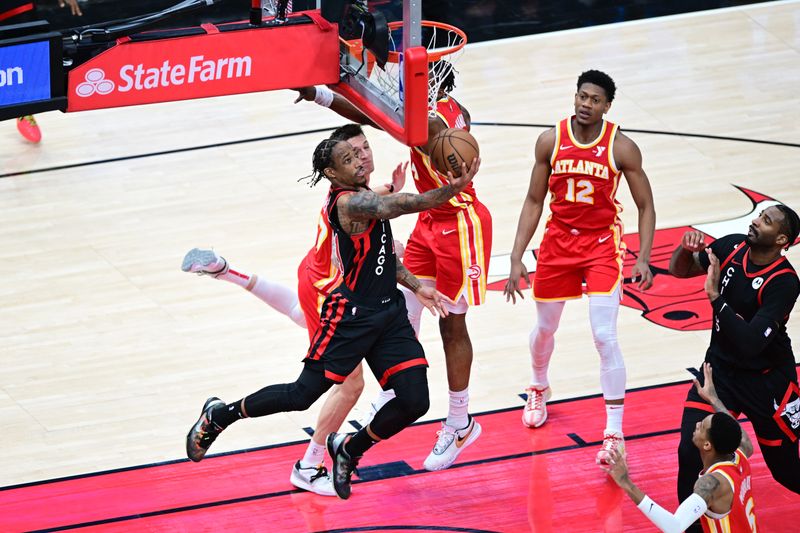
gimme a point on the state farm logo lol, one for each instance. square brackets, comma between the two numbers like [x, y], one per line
[142, 78]
[96, 82]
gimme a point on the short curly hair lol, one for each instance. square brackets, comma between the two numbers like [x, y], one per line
[601, 79]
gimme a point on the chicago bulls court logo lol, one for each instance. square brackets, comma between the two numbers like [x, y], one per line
[674, 303]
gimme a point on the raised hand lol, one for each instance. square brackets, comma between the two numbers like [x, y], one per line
[693, 241]
[306, 93]
[712, 279]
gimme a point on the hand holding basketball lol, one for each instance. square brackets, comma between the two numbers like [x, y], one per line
[449, 148]
[464, 178]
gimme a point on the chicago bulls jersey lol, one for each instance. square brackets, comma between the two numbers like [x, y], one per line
[427, 178]
[766, 292]
[741, 518]
[366, 260]
[584, 179]
[322, 271]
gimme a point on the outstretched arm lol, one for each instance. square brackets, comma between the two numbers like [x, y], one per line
[366, 205]
[338, 104]
[708, 392]
[531, 213]
[707, 489]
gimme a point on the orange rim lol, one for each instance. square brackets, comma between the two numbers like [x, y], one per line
[433, 55]
[356, 46]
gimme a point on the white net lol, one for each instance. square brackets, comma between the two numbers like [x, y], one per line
[270, 7]
[444, 45]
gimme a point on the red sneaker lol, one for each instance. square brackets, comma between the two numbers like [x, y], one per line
[29, 129]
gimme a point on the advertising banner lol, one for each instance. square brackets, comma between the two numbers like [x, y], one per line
[216, 63]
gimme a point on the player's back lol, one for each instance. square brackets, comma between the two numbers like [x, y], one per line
[584, 179]
[741, 518]
[427, 178]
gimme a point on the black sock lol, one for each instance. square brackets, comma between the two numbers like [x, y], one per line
[225, 415]
[358, 444]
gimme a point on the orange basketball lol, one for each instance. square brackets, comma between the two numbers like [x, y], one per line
[450, 147]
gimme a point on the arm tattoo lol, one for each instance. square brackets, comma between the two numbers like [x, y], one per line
[368, 205]
[407, 279]
[706, 487]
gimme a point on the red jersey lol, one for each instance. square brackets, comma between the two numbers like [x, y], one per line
[322, 271]
[426, 178]
[741, 518]
[584, 179]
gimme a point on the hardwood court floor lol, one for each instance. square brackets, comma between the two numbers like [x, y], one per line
[108, 349]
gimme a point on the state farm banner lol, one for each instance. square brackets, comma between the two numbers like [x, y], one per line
[201, 66]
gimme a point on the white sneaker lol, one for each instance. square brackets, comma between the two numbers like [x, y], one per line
[204, 263]
[612, 440]
[535, 412]
[450, 443]
[313, 479]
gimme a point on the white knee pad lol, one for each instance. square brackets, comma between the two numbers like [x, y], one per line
[541, 341]
[603, 312]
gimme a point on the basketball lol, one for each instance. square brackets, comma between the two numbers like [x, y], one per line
[449, 148]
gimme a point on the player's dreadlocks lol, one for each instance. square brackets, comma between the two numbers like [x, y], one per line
[449, 76]
[322, 159]
[790, 226]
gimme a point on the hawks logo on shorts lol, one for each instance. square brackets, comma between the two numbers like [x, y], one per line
[674, 303]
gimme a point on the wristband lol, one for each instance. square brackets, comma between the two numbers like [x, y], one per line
[324, 96]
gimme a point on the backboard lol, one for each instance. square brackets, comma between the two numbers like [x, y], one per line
[393, 94]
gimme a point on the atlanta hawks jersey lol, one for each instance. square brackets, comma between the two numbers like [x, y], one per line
[427, 178]
[584, 179]
[323, 273]
[762, 295]
[367, 260]
[741, 518]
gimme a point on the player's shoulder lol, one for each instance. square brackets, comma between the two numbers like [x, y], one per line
[547, 136]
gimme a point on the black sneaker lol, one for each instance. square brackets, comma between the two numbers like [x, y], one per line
[343, 464]
[203, 432]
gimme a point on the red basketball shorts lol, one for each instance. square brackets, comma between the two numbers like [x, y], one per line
[311, 295]
[569, 257]
[454, 251]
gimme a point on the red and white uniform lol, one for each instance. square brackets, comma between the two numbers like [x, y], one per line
[451, 243]
[583, 236]
[741, 518]
[317, 276]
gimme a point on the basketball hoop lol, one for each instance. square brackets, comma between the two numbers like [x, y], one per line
[441, 40]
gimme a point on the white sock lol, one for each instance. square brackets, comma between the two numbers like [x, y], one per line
[315, 455]
[384, 396]
[237, 278]
[281, 298]
[614, 417]
[457, 416]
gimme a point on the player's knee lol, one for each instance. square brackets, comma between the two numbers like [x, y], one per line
[542, 332]
[302, 396]
[411, 389]
[416, 405]
[453, 328]
[605, 338]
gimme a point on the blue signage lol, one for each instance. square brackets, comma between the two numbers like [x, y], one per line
[24, 73]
